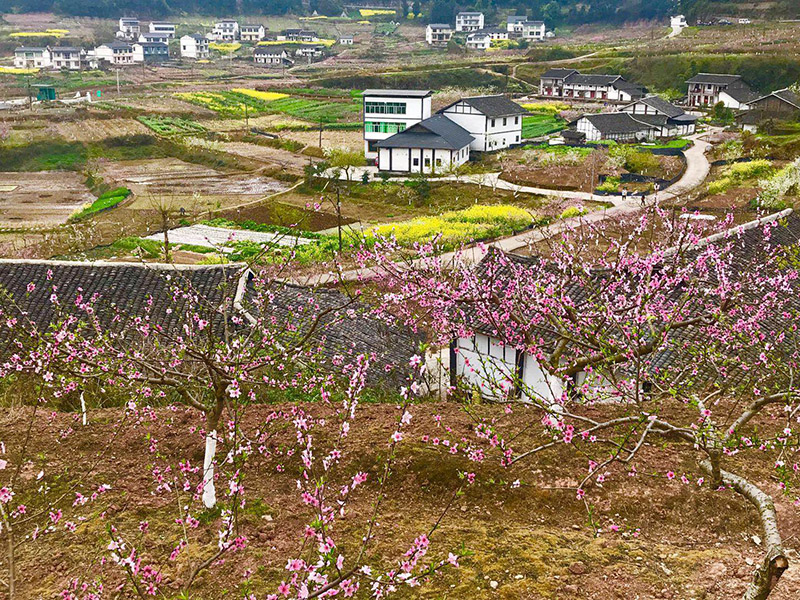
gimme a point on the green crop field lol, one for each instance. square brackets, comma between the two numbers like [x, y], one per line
[171, 125]
[538, 125]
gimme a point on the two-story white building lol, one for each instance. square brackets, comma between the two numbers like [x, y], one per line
[532, 30]
[194, 46]
[162, 27]
[514, 24]
[438, 34]
[226, 30]
[252, 32]
[273, 56]
[478, 41]
[150, 52]
[494, 33]
[708, 89]
[569, 83]
[469, 21]
[32, 58]
[298, 35]
[115, 53]
[494, 122]
[154, 38]
[129, 28]
[387, 112]
[67, 57]
[434, 145]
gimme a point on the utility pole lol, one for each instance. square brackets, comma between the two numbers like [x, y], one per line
[320, 134]
[30, 100]
[117, 82]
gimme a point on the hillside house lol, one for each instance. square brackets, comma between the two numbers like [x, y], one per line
[569, 84]
[273, 56]
[469, 21]
[32, 58]
[129, 28]
[494, 33]
[298, 35]
[194, 46]
[618, 126]
[346, 40]
[678, 22]
[478, 41]
[494, 122]
[677, 122]
[154, 38]
[387, 112]
[435, 144]
[67, 57]
[163, 27]
[781, 105]
[115, 53]
[532, 30]
[438, 34]
[709, 89]
[252, 33]
[309, 51]
[150, 52]
[226, 30]
[514, 24]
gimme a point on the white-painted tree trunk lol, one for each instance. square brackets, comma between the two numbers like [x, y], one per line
[83, 410]
[209, 493]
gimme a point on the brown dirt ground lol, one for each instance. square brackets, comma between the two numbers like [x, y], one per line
[533, 540]
[43, 198]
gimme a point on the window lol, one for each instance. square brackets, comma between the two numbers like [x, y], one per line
[517, 138]
[505, 121]
[427, 161]
[438, 162]
[492, 122]
[516, 120]
[385, 108]
[416, 162]
[382, 127]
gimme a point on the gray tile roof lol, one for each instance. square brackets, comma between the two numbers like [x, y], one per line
[620, 123]
[439, 25]
[29, 49]
[492, 106]
[785, 95]
[397, 93]
[437, 132]
[558, 73]
[714, 78]
[662, 106]
[741, 92]
[591, 79]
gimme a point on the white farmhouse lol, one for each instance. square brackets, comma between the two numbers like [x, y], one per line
[226, 30]
[129, 28]
[346, 40]
[163, 27]
[708, 89]
[433, 145]
[115, 53]
[478, 41]
[67, 57]
[494, 33]
[438, 34]
[154, 38]
[673, 120]
[469, 21]
[150, 52]
[273, 56]
[678, 22]
[252, 33]
[387, 112]
[619, 126]
[569, 83]
[514, 24]
[32, 58]
[533, 30]
[194, 46]
[494, 122]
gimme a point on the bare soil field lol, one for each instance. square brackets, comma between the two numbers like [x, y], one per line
[155, 181]
[353, 140]
[267, 154]
[44, 198]
[95, 130]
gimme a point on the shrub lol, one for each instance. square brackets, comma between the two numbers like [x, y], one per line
[610, 185]
[573, 211]
[720, 186]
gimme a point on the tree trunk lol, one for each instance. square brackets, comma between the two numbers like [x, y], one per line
[6, 520]
[766, 576]
[209, 493]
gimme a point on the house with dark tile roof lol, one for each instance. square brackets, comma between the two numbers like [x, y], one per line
[619, 126]
[709, 89]
[495, 122]
[571, 84]
[43, 293]
[781, 105]
[678, 121]
[433, 145]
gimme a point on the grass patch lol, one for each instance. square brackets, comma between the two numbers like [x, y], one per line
[737, 173]
[105, 201]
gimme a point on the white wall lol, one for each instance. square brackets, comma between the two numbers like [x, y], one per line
[417, 109]
[421, 160]
[488, 136]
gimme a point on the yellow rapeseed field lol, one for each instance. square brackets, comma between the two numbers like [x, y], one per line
[266, 96]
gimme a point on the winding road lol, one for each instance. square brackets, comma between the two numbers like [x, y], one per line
[697, 169]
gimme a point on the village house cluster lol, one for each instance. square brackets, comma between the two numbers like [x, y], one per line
[480, 37]
[402, 135]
